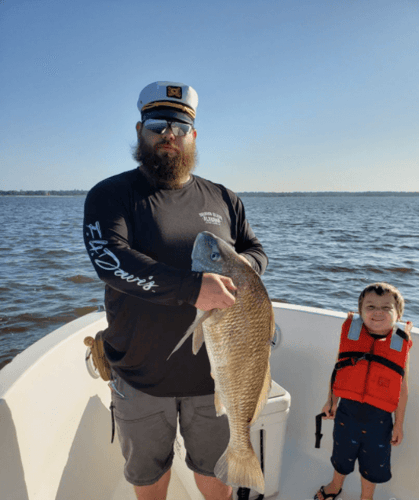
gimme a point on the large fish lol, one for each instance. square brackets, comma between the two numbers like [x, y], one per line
[238, 341]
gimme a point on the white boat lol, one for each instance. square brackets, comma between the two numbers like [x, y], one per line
[55, 423]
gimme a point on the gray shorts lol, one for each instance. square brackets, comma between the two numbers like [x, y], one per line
[146, 427]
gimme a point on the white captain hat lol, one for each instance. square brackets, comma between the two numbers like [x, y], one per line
[168, 100]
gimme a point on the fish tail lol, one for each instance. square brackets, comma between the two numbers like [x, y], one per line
[240, 469]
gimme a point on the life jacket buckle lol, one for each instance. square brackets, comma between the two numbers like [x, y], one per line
[354, 360]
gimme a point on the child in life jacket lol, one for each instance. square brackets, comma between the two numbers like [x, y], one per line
[370, 379]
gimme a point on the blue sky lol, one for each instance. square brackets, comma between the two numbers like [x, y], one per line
[293, 95]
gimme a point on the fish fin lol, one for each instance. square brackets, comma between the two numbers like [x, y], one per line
[197, 339]
[240, 469]
[217, 315]
[200, 317]
[263, 396]
[273, 329]
[273, 326]
[219, 407]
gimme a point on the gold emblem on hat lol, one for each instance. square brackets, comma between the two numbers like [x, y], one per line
[174, 92]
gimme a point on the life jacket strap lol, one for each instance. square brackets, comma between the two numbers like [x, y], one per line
[402, 334]
[352, 357]
[112, 408]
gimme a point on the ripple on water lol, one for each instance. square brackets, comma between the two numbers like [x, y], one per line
[323, 251]
[80, 279]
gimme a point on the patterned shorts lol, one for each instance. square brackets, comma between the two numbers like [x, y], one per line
[367, 441]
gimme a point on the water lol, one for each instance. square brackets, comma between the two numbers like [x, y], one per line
[323, 251]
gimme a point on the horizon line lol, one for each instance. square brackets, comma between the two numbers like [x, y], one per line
[46, 192]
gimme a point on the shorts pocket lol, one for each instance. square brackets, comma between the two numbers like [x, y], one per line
[206, 411]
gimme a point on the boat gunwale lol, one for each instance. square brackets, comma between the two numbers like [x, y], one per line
[25, 361]
[22, 364]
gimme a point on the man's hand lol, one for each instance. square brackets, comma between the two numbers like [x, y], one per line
[215, 292]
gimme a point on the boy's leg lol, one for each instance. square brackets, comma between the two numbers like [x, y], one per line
[345, 450]
[367, 489]
[375, 454]
[334, 486]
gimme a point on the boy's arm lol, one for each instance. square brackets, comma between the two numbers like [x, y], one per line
[399, 413]
[332, 401]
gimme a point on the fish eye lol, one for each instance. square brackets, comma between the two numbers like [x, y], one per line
[215, 256]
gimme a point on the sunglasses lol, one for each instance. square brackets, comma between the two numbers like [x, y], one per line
[179, 129]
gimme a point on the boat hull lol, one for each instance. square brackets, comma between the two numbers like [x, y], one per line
[56, 426]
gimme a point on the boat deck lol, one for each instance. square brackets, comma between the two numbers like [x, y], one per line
[301, 476]
[56, 426]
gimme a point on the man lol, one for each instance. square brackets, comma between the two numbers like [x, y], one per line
[139, 230]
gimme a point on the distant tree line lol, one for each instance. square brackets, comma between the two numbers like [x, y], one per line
[73, 192]
[79, 192]
[330, 193]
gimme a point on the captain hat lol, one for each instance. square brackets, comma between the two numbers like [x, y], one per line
[168, 100]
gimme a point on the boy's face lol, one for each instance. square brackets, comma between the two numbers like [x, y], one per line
[379, 312]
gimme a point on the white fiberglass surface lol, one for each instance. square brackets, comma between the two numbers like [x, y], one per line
[56, 426]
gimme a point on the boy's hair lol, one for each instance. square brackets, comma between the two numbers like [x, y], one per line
[381, 289]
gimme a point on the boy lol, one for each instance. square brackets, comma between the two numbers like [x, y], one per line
[370, 377]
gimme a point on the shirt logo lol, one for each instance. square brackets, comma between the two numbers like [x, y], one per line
[108, 261]
[211, 218]
[174, 92]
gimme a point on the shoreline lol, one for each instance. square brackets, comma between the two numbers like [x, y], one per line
[48, 194]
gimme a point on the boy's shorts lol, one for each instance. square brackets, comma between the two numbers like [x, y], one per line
[368, 441]
[146, 427]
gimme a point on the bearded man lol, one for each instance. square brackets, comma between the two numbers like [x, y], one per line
[139, 230]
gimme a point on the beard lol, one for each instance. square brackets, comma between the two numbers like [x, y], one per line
[165, 169]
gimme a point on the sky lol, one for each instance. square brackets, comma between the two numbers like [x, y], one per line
[294, 95]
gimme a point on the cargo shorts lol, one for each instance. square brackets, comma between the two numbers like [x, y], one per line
[146, 427]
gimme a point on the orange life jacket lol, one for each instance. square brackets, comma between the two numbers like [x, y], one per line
[371, 370]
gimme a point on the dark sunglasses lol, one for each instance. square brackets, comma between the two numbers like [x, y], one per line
[179, 129]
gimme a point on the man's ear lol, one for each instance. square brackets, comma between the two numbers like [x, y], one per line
[138, 128]
[195, 133]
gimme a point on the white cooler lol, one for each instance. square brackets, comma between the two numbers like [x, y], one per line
[267, 436]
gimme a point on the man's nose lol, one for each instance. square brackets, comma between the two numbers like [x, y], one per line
[168, 133]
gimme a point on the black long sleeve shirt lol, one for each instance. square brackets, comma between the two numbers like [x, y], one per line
[140, 240]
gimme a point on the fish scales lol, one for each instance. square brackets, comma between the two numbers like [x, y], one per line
[238, 342]
[240, 366]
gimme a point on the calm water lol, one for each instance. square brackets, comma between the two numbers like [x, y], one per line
[322, 250]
